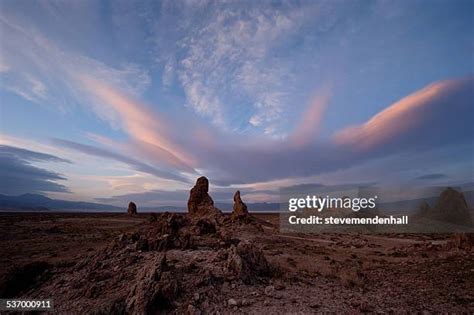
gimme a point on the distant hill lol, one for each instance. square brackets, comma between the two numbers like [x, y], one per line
[34, 202]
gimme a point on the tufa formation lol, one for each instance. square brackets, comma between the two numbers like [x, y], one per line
[132, 208]
[451, 207]
[240, 208]
[200, 203]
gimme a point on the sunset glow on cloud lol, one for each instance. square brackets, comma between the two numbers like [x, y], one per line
[415, 111]
[142, 124]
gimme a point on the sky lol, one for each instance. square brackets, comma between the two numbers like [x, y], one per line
[113, 101]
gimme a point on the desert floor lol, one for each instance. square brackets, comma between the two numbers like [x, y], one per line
[96, 263]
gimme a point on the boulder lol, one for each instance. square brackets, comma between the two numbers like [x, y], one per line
[132, 208]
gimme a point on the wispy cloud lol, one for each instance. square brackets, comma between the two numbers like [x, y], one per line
[229, 56]
[308, 127]
[143, 125]
[137, 165]
[178, 197]
[249, 69]
[228, 160]
[39, 70]
[439, 116]
[431, 176]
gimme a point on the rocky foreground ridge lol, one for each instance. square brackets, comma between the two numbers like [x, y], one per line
[148, 271]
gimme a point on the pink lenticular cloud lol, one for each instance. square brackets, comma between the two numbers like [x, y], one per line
[310, 124]
[403, 117]
[416, 122]
[151, 133]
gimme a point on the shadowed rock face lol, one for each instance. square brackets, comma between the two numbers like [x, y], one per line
[132, 208]
[240, 208]
[200, 203]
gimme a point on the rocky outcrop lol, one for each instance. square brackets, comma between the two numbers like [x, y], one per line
[132, 208]
[155, 290]
[247, 262]
[451, 207]
[241, 219]
[240, 208]
[169, 232]
[206, 226]
[199, 202]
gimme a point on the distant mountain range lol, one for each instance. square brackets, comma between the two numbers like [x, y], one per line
[35, 202]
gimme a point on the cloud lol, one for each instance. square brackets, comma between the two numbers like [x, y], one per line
[178, 197]
[151, 198]
[438, 116]
[310, 124]
[431, 176]
[43, 72]
[233, 70]
[20, 176]
[135, 164]
[159, 197]
[149, 131]
[46, 73]
[440, 113]
[222, 54]
[28, 155]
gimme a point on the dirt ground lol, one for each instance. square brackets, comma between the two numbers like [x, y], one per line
[114, 263]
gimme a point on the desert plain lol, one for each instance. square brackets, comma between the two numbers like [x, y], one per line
[207, 262]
